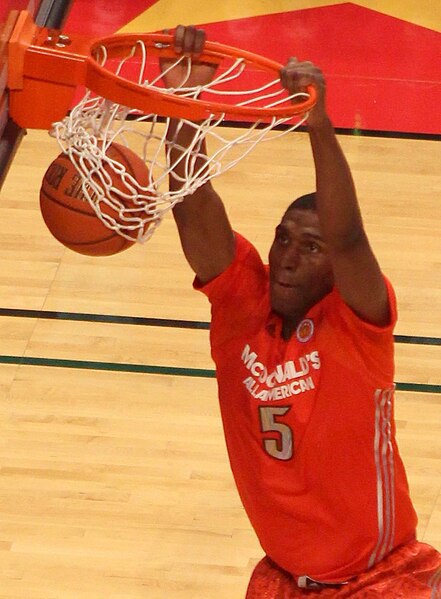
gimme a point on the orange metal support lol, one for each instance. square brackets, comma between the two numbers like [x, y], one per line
[45, 68]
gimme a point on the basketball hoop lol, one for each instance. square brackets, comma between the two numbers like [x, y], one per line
[127, 102]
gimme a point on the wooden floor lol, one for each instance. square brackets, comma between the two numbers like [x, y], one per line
[115, 484]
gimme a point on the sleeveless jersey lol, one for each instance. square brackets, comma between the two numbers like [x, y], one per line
[309, 426]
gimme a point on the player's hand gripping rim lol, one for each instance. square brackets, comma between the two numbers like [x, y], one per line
[295, 77]
[189, 41]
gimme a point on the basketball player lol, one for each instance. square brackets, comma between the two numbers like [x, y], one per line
[304, 360]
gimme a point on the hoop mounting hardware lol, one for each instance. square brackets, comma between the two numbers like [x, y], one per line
[45, 64]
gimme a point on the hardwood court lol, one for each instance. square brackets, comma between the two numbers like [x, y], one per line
[115, 484]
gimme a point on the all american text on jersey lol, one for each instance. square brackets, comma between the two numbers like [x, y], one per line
[285, 380]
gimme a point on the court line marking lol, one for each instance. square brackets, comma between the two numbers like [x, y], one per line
[163, 370]
[107, 318]
[108, 366]
[160, 322]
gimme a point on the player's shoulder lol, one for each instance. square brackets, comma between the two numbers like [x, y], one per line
[239, 295]
[344, 318]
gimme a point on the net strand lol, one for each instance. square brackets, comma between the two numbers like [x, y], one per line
[131, 208]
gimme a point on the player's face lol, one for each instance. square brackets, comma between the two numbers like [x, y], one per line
[300, 268]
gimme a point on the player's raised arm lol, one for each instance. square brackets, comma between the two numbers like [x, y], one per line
[205, 232]
[356, 271]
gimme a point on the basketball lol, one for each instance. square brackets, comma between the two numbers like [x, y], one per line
[70, 217]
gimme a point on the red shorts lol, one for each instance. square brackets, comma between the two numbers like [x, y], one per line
[412, 571]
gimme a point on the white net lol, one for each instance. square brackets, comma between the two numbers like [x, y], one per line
[135, 206]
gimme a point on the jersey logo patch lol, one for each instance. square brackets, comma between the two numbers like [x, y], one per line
[305, 330]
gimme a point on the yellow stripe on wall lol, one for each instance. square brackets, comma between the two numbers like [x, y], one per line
[426, 13]
[169, 13]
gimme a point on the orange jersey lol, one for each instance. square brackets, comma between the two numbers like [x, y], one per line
[309, 426]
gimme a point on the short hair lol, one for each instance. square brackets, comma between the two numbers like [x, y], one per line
[305, 202]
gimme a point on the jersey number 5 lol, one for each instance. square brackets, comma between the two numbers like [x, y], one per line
[281, 447]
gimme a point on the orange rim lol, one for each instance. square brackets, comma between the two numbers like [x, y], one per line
[125, 92]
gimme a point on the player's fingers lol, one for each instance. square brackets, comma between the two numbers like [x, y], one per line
[288, 76]
[310, 75]
[292, 62]
[179, 38]
[297, 76]
[199, 42]
[189, 40]
[187, 44]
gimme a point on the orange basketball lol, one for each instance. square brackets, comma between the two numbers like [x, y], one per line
[69, 216]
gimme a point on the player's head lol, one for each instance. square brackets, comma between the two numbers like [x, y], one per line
[304, 202]
[300, 267]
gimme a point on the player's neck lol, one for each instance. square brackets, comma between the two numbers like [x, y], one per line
[289, 325]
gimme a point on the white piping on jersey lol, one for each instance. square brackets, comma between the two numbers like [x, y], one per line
[384, 463]
[435, 585]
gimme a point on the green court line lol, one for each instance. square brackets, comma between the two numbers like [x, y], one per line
[418, 387]
[164, 370]
[160, 322]
[415, 340]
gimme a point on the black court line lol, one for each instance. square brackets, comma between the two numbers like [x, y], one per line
[164, 370]
[346, 131]
[160, 322]
[107, 318]
[338, 130]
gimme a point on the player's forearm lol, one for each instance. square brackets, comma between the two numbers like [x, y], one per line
[338, 209]
[181, 137]
[203, 203]
[204, 229]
